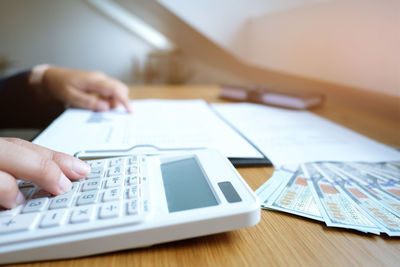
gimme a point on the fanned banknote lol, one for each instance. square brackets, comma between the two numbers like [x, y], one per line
[394, 166]
[269, 187]
[371, 185]
[337, 208]
[382, 168]
[380, 187]
[352, 195]
[378, 212]
[293, 195]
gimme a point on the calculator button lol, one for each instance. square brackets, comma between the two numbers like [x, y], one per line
[35, 205]
[132, 170]
[62, 201]
[110, 210]
[114, 171]
[132, 207]
[132, 180]
[96, 173]
[116, 161]
[132, 160]
[10, 212]
[81, 215]
[114, 182]
[27, 191]
[41, 193]
[74, 188]
[25, 184]
[91, 185]
[112, 194]
[53, 218]
[132, 192]
[22, 222]
[96, 164]
[87, 198]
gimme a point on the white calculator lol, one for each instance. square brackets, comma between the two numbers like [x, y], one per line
[129, 201]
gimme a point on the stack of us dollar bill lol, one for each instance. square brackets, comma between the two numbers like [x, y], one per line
[359, 196]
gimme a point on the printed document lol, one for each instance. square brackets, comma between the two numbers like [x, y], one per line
[168, 124]
[292, 136]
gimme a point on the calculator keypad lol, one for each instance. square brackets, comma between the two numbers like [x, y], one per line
[114, 193]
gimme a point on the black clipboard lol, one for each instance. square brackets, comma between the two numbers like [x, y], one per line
[244, 162]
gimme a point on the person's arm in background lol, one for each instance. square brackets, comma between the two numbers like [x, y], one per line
[33, 99]
[18, 108]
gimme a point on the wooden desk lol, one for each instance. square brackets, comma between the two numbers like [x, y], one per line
[279, 238]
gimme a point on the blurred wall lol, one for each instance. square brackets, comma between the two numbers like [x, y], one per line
[352, 42]
[348, 42]
[67, 33]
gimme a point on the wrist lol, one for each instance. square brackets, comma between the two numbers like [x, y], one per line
[36, 75]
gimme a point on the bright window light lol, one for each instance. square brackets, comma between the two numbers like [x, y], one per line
[132, 23]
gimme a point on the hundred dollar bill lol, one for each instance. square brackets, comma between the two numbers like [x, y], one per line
[391, 177]
[386, 167]
[382, 192]
[294, 196]
[337, 209]
[374, 210]
[281, 174]
[385, 179]
[372, 181]
[393, 165]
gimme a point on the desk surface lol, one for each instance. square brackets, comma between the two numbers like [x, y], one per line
[279, 239]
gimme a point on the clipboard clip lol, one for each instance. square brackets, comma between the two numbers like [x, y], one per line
[147, 150]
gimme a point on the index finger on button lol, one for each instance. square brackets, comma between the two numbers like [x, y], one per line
[72, 167]
[26, 164]
[10, 196]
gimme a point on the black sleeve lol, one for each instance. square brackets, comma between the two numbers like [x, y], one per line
[19, 107]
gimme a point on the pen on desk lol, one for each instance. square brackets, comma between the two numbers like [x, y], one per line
[271, 96]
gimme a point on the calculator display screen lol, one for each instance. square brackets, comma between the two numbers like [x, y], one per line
[186, 186]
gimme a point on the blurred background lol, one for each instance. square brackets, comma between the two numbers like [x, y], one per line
[333, 46]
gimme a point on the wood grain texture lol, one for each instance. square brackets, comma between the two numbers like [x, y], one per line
[279, 239]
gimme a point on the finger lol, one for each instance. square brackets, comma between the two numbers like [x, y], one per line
[116, 90]
[113, 102]
[80, 99]
[72, 167]
[109, 88]
[27, 164]
[10, 196]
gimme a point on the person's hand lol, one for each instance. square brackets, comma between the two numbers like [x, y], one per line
[84, 89]
[46, 168]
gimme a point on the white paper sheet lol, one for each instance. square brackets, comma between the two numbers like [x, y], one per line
[288, 136]
[163, 123]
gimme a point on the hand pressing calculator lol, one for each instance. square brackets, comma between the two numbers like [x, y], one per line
[126, 202]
